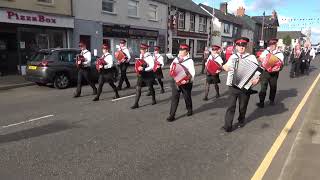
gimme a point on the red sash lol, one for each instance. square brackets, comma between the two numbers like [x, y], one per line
[213, 67]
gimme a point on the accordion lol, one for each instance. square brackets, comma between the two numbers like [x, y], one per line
[139, 63]
[79, 60]
[120, 56]
[100, 63]
[245, 71]
[180, 74]
[213, 67]
[271, 61]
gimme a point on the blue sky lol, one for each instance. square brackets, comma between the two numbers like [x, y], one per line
[306, 9]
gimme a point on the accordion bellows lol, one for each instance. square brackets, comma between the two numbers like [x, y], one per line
[271, 61]
[179, 73]
[100, 63]
[138, 63]
[119, 55]
[213, 67]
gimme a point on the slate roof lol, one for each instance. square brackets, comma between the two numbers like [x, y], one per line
[292, 34]
[188, 5]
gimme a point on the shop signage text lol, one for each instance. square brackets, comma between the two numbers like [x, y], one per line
[38, 18]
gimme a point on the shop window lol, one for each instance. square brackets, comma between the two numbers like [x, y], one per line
[153, 12]
[133, 8]
[201, 45]
[151, 44]
[108, 5]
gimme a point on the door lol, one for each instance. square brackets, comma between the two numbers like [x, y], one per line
[191, 45]
[8, 53]
[86, 40]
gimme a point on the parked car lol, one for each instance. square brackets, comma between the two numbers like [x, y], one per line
[55, 66]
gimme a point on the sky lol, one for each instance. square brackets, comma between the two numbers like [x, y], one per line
[286, 9]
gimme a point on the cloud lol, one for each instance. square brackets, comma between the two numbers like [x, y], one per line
[266, 4]
[233, 5]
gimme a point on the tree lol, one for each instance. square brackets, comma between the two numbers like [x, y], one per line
[287, 40]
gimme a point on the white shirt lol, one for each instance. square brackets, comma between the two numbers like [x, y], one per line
[87, 56]
[109, 60]
[189, 64]
[312, 53]
[149, 60]
[231, 64]
[159, 59]
[276, 52]
[125, 50]
[216, 58]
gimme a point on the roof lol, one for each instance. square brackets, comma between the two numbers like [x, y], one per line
[292, 34]
[222, 16]
[268, 20]
[188, 5]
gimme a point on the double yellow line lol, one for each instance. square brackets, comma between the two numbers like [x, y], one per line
[262, 169]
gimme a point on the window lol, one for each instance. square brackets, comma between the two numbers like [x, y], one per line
[202, 24]
[67, 56]
[181, 22]
[192, 22]
[226, 28]
[133, 8]
[151, 44]
[108, 5]
[201, 46]
[235, 31]
[46, 1]
[153, 15]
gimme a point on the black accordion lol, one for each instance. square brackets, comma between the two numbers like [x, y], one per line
[245, 71]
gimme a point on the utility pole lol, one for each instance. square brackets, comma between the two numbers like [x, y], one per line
[262, 29]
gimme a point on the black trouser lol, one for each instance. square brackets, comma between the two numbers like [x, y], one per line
[102, 80]
[203, 65]
[272, 80]
[161, 83]
[123, 77]
[295, 69]
[234, 94]
[303, 67]
[186, 92]
[86, 74]
[207, 87]
[149, 84]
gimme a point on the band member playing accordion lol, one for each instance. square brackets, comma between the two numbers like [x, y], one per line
[272, 62]
[239, 83]
[145, 74]
[182, 71]
[123, 57]
[214, 67]
[106, 68]
[83, 63]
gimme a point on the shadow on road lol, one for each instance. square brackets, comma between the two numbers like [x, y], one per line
[54, 127]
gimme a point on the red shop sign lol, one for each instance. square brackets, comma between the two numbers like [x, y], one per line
[31, 18]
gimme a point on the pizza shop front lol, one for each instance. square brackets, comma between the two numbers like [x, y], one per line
[23, 33]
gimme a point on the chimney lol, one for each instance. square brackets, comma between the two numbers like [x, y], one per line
[274, 15]
[241, 11]
[224, 7]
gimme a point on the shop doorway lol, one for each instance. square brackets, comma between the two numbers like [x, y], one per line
[87, 40]
[8, 53]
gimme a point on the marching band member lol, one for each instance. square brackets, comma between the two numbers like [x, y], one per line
[213, 77]
[147, 75]
[270, 76]
[306, 59]
[107, 70]
[124, 64]
[84, 70]
[295, 58]
[185, 86]
[234, 92]
[160, 63]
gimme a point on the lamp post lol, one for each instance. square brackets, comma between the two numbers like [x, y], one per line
[262, 29]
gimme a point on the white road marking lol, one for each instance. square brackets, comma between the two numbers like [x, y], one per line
[28, 121]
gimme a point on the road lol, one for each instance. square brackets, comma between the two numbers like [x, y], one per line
[46, 134]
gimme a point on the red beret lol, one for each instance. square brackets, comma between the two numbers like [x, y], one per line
[144, 46]
[122, 41]
[157, 48]
[273, 41]
[242, 41]
[215, 47]
[104, 46]
[184, 47]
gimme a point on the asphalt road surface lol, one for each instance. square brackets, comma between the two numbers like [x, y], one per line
[47, 134]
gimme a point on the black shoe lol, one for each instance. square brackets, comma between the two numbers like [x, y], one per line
[162, 91]
[189, 113]
[271, 103]
[96, 99]
[154, 102]
[148, 94]
[260, 105]
[205, 99]
[76, 95]
[116, 96]
[228, 129]
[135, 106]
[171, 118]
[218, 95]
[241, 124]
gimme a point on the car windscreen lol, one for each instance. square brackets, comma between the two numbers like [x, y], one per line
[39, 56]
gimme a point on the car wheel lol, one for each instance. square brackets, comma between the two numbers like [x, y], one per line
[61, 81]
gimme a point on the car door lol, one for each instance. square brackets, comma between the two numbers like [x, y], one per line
[67, 59]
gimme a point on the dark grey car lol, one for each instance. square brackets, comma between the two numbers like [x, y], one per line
[55, 66]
